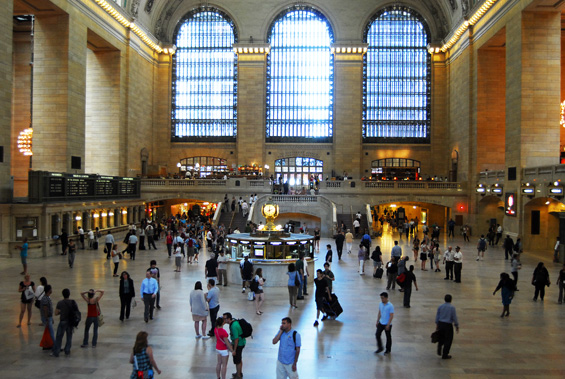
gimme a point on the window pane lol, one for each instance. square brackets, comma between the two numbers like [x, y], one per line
[204, 78]
[300, 77]
[397, 78]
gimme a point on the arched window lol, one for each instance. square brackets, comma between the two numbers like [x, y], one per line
[396, 85]
[298, 171]
[300, 77]
[204, 78]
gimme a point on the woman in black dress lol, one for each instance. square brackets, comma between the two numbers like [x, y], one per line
[27, 289]
[540, 279]
[127, 293]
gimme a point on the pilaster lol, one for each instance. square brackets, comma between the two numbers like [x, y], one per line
[348, 110]
[6, 80]
[252, 60]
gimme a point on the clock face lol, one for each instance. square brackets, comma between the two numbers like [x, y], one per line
[269, 210]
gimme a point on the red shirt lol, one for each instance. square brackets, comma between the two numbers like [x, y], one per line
[92, 311]
[169, 240]
[220, 334]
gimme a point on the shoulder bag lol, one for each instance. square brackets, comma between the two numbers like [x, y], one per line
[100, 315]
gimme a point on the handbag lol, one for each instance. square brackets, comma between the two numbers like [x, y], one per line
[435, 337]
[28, 293]
[100, 315]
[296, 280]
[251, 296]
[38, 301]
[133, 303]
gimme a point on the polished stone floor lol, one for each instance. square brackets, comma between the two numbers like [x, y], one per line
[529, 343]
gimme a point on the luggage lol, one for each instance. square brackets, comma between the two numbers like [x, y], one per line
[95, 245]
[379, 273]
[333, 308]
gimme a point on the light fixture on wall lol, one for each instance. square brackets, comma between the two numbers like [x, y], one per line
[24, 141]
[562, 121]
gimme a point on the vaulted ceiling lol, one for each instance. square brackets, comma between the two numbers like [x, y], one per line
[253, 17]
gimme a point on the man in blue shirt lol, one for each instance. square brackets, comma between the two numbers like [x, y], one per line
[384, 323]
[149, 289]
[446, 317]
[213, 299]
[289, 350]
[396, 250]
[23, 255]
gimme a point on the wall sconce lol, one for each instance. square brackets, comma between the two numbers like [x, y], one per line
[124, 212]
[95, 215]
[111, 214]
[481, 189]
[496, 189]
[529, 190]
[556, 190]
[104, 214]
[78, 218]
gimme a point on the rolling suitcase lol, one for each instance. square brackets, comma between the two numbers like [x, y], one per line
[332, 309]
[379, 273]
[95, 245]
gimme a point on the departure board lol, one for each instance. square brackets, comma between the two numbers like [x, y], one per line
[54, 186]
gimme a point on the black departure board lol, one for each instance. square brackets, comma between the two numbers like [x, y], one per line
[54, 186]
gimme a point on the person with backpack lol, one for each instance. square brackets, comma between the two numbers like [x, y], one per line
[246, 269]
[377, 258]
[481, 247]
[289, 350]
[70, 316]
[238, 342]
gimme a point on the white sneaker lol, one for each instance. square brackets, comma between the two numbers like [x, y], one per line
[243, 290]
[477, 258]
[205, 337]
[198, 336]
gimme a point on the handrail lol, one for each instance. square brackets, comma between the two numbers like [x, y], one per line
[217, 214]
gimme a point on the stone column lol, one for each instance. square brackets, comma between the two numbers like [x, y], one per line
[348, 111]
[533, 89]
[251, 104]
[6, 78]
[59, 93]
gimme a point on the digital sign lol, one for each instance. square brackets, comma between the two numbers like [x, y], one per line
[510, 204]
[55, 186]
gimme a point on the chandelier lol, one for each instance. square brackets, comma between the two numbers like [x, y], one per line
[24, 141]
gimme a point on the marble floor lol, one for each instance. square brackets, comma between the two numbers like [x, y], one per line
[529, 343]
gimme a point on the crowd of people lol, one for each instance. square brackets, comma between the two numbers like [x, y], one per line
[187, 236]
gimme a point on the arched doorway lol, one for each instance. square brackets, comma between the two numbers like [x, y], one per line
[541, 225]
[298, 171]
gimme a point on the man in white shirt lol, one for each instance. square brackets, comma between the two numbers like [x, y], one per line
[222, 268]
[109, 242]
[90, 238]
[81, 236]
[448, 261]
[244, 208]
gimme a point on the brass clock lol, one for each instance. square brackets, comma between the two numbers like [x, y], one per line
[270, 212]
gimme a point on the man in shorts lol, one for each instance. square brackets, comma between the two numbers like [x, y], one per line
[238, 343]
[246, 268]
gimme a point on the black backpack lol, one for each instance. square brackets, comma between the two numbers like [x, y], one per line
[254, 285]
[75, 315]
[246, 328]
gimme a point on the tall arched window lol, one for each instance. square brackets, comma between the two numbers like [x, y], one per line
[396, 86]
[204, 78]
[300, 77]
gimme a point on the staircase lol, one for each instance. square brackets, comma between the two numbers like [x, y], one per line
[233, 220]
[348, 220]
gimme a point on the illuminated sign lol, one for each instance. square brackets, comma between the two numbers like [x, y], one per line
[510, 204]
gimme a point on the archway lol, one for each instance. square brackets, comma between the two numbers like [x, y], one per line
[541, 225]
